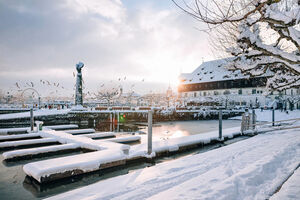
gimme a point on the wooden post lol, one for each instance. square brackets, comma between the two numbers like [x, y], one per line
[220, 124]
[273, 117]
[149, 132]
[253, 119]
[118, 125]
[111, 121]
[114, 119]
[31, 119]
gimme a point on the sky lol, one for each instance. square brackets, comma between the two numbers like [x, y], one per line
[145, 44]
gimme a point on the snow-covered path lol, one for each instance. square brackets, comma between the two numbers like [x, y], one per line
[249, 169]
[290, 189]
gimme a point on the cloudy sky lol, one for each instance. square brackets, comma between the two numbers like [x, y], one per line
[137, 39]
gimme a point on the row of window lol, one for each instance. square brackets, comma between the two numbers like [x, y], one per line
[239, 91]
[226, 92]
[226, 84]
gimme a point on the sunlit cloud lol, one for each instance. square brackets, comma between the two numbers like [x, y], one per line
[45, 39]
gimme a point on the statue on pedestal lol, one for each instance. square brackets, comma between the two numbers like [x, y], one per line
[78, 92]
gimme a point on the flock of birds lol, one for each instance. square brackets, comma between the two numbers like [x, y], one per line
[56, 87]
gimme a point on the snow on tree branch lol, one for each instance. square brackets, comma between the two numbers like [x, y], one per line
[262, 35]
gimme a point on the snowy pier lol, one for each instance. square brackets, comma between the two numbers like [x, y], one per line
[32, 152]
[111, 154]
[81, 131]
[108, 152]
[105, 153]
[27, 143]
[27, 129]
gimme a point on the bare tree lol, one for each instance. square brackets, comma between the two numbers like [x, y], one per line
[262, 36]
[108, 94]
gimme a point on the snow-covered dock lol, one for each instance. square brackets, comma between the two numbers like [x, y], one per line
[13, 144]
[249, 169]
[127, 139]
[100, 135]
[5, 131]
[18, 137]
[9, 155]
[106, 152]
[110, 154]
[81, 131]
[36, 113]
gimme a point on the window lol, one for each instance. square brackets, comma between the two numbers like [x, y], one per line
[240, 91]
[204, 93]
[226, 92]
[225, 85]
[254, 91]
[195, 94]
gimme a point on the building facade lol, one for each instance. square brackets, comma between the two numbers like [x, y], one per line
[212, 81]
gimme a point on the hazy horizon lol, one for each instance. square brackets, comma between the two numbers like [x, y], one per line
[148, 42]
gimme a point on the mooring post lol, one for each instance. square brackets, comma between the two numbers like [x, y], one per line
[220, 124]
[31, 119]
[253, 119]
[111, 121]
[114, 120]
[118, 125]
[273, 117]
[39, 102]
[149, 132]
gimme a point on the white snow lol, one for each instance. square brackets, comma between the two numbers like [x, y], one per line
[27, 129]
[99, 135]
[27, 142]
[249, 169]
[59, 127]
[12, 130]
[84, 142]
[81, 131]
[109, 151]
[39, 150]
[290, 189]
[19, 136]
[42, 112]
[124, 139]
[173, 144]
[86, 162]
[210, 71]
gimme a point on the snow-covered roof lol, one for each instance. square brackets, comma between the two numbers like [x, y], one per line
[210, 71]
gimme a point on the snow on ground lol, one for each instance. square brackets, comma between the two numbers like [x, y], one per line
[39, 150]
[290, 189]
[249, 169]
[266, 115]
[42, 112]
